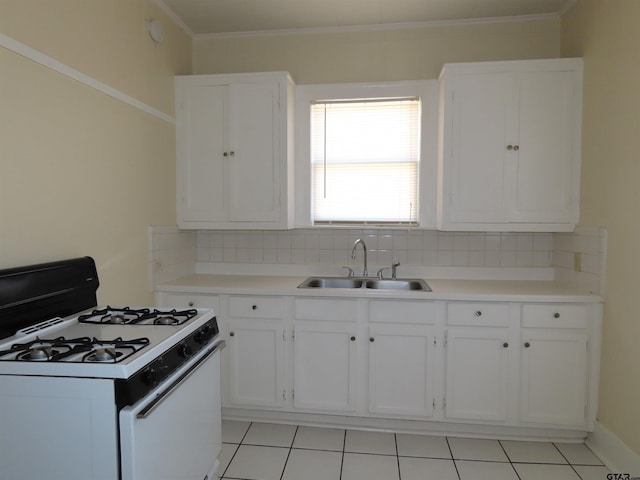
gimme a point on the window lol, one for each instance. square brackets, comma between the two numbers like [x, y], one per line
[365, 160]
[366, 154]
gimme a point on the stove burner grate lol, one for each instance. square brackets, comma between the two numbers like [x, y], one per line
[119, 316]
[142, 316]
[82, 349]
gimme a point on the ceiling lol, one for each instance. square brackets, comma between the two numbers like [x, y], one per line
[206, 17]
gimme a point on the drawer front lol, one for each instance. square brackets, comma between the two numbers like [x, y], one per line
[256, 307]
[482, 314]
[555, 316]
[186, 300]
[323, 309]
[403, 312]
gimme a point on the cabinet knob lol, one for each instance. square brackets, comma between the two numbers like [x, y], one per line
[231, 334]
[254, 307]
[556, 315]
[516, 147]
[191, 304]
[505, 345]
[509, 147]
[225, 154]
[232, 154]
[371, 339]
[527, 344]
[353, 339]
[478, 313]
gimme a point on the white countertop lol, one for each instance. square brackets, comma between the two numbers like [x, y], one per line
[488, 290]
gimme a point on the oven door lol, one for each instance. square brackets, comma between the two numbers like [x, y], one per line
[174, 433]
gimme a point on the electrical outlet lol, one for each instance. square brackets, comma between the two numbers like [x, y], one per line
[577, 262]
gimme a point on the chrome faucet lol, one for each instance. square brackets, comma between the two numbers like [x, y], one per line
[364, 249]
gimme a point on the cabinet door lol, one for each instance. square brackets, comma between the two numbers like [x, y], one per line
[254, 161]
[547, 109]
[201, 142]
[480, 133]
[401, 370]
[324, 366]
[554, 377]
[477, 374]
[256, 362]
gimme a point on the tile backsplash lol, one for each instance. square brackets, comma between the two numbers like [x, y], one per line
[577, 259]
[414, 247]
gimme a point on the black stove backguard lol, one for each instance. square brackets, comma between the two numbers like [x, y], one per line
[32, 294]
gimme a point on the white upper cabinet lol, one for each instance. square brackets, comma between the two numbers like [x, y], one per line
[235, 151]
[509, 152]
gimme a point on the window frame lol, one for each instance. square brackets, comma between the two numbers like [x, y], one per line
[427, 90]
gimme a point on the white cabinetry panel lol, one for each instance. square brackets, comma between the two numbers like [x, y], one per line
[401, 370]
[324, 366]
[234, 151]
[477, 374]
[510, 145]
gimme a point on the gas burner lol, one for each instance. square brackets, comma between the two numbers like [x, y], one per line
[38, 354]
[165, 320]
[112, 315]
[114, 318]
[103, 354]
[169, 317]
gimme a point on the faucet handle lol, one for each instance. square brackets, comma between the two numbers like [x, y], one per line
[395, 263]
[379, 273]
[350, 271]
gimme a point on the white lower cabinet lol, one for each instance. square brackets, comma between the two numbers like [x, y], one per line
[554, 366]
[477, 374]
[324, 366]
[500, 364]
[256, 344]
[401, 370]
[256, 362]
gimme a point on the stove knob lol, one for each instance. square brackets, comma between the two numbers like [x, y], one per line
[185, 350]
[149, 376]
[203, 335]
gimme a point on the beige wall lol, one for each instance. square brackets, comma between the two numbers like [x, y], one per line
[606, 34]
[385, 55]
[82, 173]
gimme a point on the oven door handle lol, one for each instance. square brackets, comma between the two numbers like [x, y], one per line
[148, 410]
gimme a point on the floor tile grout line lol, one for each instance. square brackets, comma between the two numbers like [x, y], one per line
[567, 460]
[455, 465]
[395, 439]
[237, 448]
[284, 467]
[344, 445]
[509, 458]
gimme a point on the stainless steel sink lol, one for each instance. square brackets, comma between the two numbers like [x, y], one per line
[331, 282]
[404, 284]
[411, 284]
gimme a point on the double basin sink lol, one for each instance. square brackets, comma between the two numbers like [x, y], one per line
[405, 284]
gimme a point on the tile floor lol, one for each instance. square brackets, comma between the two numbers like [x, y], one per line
[263, 451]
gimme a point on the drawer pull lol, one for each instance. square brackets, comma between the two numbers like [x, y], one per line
[505, 345]
[556, 315]
[353, 339]
[371, 339]
[191, 304]
[478, 313]
[254, 307]
[231, 334]
[527, 345]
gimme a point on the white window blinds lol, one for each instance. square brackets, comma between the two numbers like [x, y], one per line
[365, 159]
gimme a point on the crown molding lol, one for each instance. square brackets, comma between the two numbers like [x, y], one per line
[379, 27]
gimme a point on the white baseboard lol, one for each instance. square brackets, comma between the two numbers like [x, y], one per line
[617, 456]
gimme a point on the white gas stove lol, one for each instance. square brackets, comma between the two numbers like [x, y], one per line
[125, 393]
